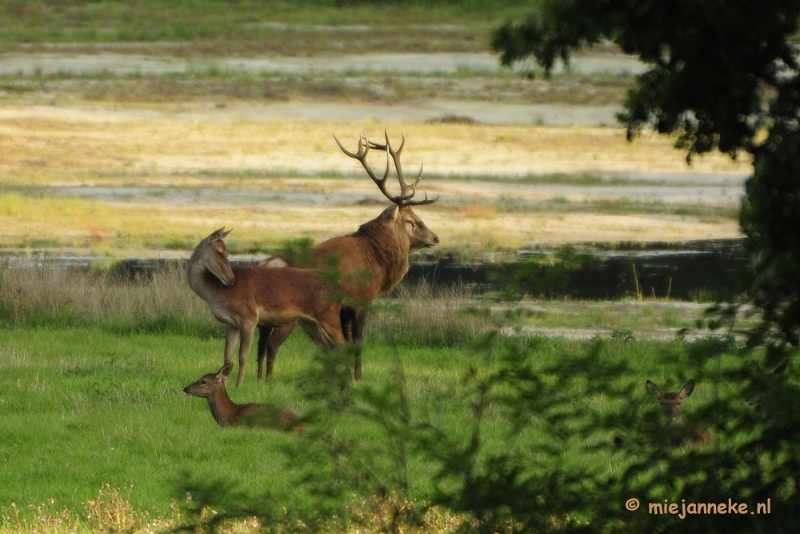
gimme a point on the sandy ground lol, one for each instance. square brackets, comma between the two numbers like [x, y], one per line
[76, 63]
[469, 67]
[191, 166]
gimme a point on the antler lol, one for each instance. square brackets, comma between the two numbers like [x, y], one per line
[404, 199]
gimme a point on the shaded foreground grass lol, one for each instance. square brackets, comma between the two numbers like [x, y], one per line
[86, 407]
[93, 368]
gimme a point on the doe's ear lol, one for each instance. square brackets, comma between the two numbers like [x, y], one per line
[653, 389]
[215, 234]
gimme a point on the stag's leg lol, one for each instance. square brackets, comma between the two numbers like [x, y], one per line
[358, 337]
[246, 338]
[268, 345]
[347, 318]
[264, 332]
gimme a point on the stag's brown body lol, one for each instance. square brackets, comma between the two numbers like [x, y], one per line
[367, 263]
[228, 413]
[245, 297]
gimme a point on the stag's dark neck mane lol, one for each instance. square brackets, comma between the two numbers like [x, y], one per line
[389, 250]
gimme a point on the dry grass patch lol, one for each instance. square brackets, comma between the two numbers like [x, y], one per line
[90, 145]
[167, 181]
[419, 315]
[82, 296]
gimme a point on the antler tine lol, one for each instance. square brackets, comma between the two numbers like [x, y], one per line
[361, 155]
[407, 191]
[404, 187]
[424, 202]
[354, 156]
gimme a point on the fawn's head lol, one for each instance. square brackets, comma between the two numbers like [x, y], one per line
[209, 384]
[671, 401]
[213, 255]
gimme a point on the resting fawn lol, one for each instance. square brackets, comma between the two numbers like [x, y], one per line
[679, 432]
[227, 413]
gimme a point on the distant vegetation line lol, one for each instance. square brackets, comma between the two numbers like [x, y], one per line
[26, 21]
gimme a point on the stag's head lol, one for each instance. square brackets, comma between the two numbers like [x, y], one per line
[213, 255]
[409, 226]
[406, 222]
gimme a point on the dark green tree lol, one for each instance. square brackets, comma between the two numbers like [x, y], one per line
[724, 75]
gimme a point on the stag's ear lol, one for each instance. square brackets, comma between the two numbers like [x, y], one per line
[390, 214]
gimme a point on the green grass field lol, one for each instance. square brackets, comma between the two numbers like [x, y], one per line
[85, 407]
[92, 400]
[253, 21]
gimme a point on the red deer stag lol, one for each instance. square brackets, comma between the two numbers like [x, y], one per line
[369, 262]
[227, 413]
[244, 297]
[680, 433]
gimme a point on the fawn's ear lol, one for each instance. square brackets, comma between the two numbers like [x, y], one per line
[225, 370]
[687, 389]
[653, 389]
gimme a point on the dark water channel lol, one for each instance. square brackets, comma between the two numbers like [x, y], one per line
[684, 271]
[696, 270]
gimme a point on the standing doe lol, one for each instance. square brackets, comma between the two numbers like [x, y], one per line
[227, 413]
[369, 262]
[245, 297]
[680, 432]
